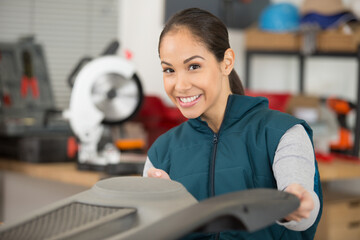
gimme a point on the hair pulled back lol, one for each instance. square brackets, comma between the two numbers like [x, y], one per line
[211, 31]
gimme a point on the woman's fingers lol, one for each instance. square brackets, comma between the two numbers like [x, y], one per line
[157, 173]
[306, 202]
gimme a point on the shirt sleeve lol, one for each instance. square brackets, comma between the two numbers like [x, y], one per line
[294, 162]
[147, 166]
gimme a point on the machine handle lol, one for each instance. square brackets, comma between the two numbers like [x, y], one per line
[109, 50]
[76, 70]
[248, 210]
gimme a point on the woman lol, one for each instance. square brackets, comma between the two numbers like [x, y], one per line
[231, 142]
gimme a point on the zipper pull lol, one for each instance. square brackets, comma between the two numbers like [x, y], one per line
[215, 139]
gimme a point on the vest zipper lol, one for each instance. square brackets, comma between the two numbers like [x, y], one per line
[212, 163]
[212, 172]
[212, 166]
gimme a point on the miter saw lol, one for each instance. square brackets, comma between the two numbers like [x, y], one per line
[106, 92]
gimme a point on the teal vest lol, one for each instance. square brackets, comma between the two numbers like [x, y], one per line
[238, 157]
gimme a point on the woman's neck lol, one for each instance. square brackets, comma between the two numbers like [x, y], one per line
[215, 117]
[215, 124]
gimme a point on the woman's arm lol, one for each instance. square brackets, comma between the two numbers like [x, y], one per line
[294, 170]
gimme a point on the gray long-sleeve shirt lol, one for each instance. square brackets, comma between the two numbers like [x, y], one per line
[294, 162]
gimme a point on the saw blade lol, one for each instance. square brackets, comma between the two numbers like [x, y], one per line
[116, 96]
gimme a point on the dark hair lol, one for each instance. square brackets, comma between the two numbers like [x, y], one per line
[211, 31]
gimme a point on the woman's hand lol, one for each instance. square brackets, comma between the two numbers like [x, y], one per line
[157, 173]
[306, 202]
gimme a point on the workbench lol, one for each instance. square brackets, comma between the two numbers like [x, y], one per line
[62, 172]
[338, 169]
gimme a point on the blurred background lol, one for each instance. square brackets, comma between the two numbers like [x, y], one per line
[82, 98]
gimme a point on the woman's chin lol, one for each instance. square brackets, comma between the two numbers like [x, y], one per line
[189, 114]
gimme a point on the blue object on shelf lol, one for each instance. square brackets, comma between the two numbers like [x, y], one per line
[280, 17]
[327, 21]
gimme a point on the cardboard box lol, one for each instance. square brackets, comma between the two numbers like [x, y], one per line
[257, 39]
[341, 217]
[305, 107]
[332, 40]
[336, 40]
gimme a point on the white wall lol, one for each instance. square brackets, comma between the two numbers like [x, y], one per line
[141, 22]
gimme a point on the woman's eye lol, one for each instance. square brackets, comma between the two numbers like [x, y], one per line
[168, 70]
[194, 66]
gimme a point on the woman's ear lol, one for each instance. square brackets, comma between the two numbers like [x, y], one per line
[228, 62]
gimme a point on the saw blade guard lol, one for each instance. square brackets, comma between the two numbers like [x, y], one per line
[106, 91]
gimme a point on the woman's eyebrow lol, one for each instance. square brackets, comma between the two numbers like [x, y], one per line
[185, 61]
[191, 58]
[166, 63]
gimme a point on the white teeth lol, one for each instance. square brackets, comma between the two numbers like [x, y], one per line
[189, 99]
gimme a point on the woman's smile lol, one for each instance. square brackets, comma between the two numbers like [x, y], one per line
[188, 101]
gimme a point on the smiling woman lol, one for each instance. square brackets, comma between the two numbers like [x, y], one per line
[193, 78]
[231, 142]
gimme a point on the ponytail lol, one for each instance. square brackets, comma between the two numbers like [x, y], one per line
[235, 83]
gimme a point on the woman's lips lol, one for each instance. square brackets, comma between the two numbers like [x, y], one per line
[188, 101]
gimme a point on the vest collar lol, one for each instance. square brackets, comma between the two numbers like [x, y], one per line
[236, 108]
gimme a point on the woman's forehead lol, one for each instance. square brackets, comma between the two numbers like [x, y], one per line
[183, 41]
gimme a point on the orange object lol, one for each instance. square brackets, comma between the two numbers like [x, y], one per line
[72, 147]
[130, 144]
[344, 142]
[342, 108]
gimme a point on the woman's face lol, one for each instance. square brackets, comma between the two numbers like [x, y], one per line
[193, 79]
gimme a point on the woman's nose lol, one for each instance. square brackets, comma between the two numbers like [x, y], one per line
[182, 83]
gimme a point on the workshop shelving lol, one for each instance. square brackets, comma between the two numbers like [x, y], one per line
[250, 53]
